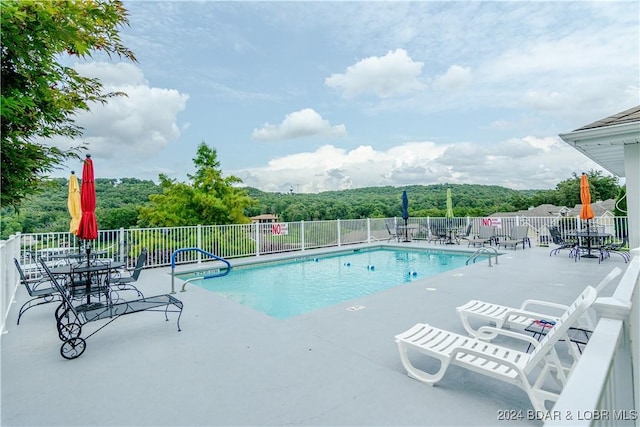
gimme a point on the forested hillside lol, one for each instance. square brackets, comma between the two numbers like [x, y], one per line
[119, 202]
[377, 202]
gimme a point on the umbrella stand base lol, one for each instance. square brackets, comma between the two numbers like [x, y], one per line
[589, 256]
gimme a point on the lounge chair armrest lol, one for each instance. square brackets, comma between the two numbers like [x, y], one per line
[487, 333]
[546, 304]
[533, 315]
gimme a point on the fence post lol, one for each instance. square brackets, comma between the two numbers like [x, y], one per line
[9, 249]
[258, 225]
[368, 230]
[339, 236]
[302, 235]
[199, 242]
[121, 245]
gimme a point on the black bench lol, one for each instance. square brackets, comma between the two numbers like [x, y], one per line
[71, 318]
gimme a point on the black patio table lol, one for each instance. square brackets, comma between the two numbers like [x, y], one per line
[407, 230]
[590, 237]
[80, 256]
[88, 269]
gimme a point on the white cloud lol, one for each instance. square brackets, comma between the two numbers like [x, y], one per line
[391, 75]
[456, 77]
[299, 124]
[142, 123]
[524, 163]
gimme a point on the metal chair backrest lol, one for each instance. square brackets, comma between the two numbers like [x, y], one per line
[59, 287]
[23, 277]
[142, 259]
[555, 236]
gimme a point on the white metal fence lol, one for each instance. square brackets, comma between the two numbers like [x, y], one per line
[242, 240]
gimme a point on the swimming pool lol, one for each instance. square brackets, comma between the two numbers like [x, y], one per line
[289, 288]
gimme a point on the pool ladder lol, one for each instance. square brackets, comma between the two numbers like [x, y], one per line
[481, 251]
[226, 271]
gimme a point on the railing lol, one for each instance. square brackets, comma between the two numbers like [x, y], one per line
[242, 240]
[206, 276]
[483, 251]
[604, 388]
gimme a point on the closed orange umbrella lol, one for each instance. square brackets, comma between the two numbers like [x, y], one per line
[586, 212]
[585, 197]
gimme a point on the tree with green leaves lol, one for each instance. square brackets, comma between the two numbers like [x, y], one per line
[602, 188]
[40, 96]
[209, 199]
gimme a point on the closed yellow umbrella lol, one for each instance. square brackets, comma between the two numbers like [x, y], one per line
[73, 203]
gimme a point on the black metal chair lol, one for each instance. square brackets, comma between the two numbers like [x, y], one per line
[557, 238]
[40, 290]
[125, 282]
[89, 279]
[607, 249]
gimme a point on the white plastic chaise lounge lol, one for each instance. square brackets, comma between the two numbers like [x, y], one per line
[496, 361]
[502, 316]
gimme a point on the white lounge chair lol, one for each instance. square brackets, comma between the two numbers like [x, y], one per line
[506, 317]
[496, 361]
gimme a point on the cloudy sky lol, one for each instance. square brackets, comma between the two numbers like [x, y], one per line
[316, 96]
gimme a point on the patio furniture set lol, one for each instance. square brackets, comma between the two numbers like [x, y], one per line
[90, 291]
[594, 244]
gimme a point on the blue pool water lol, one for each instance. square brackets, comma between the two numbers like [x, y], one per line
[289, 288]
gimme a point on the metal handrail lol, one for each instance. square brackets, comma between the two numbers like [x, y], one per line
[210, 276]
[618, 202]
[480, 251]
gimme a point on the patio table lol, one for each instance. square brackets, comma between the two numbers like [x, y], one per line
[406, 232]
[449, 240]
[68, 256]
[88, 270]
[590, 237]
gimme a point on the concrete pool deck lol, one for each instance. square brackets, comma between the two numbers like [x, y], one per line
[231, 365]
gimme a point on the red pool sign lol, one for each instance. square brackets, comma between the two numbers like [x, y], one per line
[492, 222]
[279, 229]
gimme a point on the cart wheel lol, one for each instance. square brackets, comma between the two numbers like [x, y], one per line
[69, 330]
[61, 311]
[73, 347]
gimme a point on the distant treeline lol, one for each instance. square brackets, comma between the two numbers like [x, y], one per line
[119, 202]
